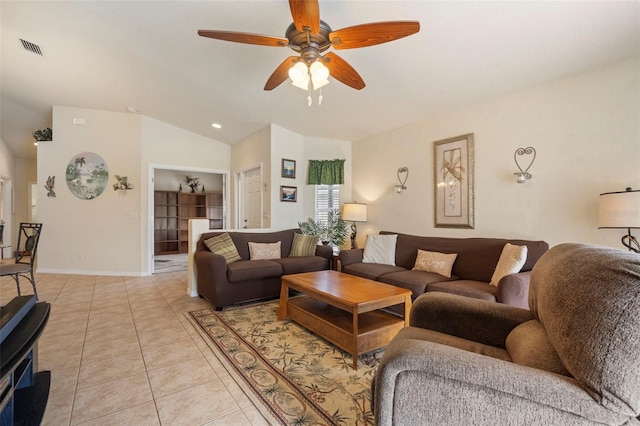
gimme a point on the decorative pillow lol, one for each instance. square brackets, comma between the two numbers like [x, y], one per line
[223, 245]
[380, 249]
[264, 251]
[432, 261]
[303, 245]
[511, 261]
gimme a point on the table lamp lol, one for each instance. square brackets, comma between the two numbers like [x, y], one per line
[354, 212]
[621, 210]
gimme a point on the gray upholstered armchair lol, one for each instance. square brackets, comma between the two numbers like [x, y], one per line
[573, 359]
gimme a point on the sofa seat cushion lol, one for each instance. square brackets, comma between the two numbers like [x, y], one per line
[244, 270]
[370, 271]
[424, 334]
[469, 288]
[416, 281]
[300, 264]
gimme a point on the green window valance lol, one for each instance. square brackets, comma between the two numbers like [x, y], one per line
[326, 172]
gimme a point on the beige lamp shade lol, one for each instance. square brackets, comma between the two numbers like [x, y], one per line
[619, 209]
[354, 212]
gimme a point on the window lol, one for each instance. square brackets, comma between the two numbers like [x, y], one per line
[327, 199]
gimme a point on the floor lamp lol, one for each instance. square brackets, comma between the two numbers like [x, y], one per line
[621, 210]
[354, 212]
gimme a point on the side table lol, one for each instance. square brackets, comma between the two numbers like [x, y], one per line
[2, 247]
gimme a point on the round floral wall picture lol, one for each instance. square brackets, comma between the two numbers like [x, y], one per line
[87, 175]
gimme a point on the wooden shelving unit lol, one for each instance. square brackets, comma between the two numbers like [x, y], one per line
[166, 221]
[172, 211]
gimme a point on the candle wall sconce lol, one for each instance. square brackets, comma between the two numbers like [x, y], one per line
[529, 152]
[403, 174]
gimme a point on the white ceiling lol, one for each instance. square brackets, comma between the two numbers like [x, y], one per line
[113, 54]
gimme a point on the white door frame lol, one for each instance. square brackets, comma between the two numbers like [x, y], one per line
[240, 194]
[150, 199]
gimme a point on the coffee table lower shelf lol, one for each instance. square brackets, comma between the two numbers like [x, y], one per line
[375, 328]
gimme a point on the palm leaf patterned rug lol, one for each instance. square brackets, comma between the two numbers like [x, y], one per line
[292, 376]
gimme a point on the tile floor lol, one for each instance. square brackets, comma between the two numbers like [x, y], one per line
[121, 352]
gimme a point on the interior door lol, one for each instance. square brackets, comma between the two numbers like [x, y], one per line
[251, 199]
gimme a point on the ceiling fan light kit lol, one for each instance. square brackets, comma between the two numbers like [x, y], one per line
[309, 36]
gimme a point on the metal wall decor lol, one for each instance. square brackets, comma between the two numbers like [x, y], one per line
[403, 175]
[453, 172]
[87, 175]
[530, 152]
[51, 181]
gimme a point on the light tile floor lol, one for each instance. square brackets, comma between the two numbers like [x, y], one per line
[121, 352]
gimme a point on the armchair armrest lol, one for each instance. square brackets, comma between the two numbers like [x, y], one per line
[477, 320]
[347, 257]
[420, 382]
[514, 289]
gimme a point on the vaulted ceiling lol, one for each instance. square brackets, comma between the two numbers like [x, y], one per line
[111, 55]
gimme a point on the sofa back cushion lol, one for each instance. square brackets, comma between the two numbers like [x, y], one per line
[587, 298]
[242, 239]
[477, 257]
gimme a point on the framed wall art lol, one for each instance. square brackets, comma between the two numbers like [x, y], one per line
[87, 175]
[288, 168]
[289, 193]
[453, 172]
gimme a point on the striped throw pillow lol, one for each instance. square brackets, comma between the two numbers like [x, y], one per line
[303, 245]
[223, 245]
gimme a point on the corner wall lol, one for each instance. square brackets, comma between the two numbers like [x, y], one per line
[585, 128]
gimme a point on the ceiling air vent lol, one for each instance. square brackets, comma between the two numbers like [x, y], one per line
[31, 47]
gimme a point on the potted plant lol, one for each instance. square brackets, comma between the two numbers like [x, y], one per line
[43, 135]
[333, 231]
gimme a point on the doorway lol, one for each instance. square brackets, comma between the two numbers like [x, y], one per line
[250, 198]
[172, 204]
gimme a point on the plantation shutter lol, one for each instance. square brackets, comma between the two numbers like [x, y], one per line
[327, 199]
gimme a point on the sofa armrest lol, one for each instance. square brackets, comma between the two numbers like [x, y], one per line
[325, 251]
[212, 273]
[419, 382]
[477, 320]
[347, 257]
[514, 289]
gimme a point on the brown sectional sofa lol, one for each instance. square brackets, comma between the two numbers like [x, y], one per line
[224, 284]
[471, 273]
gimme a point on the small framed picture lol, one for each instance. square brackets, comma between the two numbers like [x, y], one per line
[289, 193]
[288, 168]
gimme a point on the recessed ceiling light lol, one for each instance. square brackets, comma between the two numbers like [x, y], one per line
[132, 109]
[216, 126]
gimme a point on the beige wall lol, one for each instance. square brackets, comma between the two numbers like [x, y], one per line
[289, 145]
[109, 235]
[586, 132]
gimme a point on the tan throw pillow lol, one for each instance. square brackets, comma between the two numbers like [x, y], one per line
[264, 251]
[432, 261]
[380, 249]
[511, 261]
[223, 245]
[303, 245]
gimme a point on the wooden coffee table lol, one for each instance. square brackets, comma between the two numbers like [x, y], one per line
[345, 309]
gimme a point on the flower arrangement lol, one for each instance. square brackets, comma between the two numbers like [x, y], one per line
[123, 183]
[193, 182]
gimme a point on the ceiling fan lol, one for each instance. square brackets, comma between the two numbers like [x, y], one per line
[309, 36]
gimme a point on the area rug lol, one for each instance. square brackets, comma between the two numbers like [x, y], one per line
[292, 376]
[170, 263]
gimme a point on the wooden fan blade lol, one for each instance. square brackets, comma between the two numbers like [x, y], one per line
[372, 34]
[306, 13]
[247, 38]
[342, 71]
[281, 73]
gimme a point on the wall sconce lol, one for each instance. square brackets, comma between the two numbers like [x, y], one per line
[403, 174]
[523, 175]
